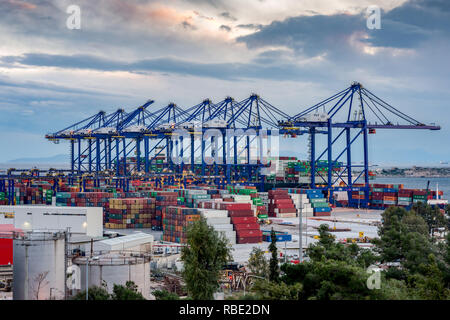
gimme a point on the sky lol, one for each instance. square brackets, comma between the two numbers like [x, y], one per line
[292, 53]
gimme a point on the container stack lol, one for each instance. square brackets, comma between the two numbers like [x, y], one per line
[175, 221]
[318, 202]
[221, 222]
[263, 212]
[419, 196]
[129, 213]
[405, 197]
[163, 199]
[281, 204]
[244, 222]
[302, 203]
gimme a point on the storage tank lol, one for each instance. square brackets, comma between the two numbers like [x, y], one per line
[116, 268]
[39, 266]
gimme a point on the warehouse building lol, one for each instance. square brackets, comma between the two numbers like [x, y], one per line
[86, 221]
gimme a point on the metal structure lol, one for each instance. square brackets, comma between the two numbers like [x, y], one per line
[160, 128]
[349, 114]
[347, 118]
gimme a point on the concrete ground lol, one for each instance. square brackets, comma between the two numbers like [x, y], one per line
[357, 220]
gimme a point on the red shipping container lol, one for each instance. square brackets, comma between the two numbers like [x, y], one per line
[285, 205]
[246, 226]
[287, 210]
[236, 220]
[240, 213]
[377, 194]
[249, 233]
[235, 206]
[281, 201]
[242, 240]
[322, 214]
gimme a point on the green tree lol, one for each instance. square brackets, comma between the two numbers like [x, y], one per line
[432, 216]
[204, 256]
[94, 293]
[403, 238]
[274, 272]
[257, 263]
[129, 291]
[270, 290]
[165, 295]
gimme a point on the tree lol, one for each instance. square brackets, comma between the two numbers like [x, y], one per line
[126, 292]
[432, 216]
[204, 256]
[270, 290]
[404, 238]
[165, 295]
[257, 263]
[94, 293]
[40, 282]
[274, 272]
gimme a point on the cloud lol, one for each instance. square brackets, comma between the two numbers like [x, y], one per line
[407, 26]
[187, 25]
[226, 71]
[225, 28]
[228, 16]
[250, 26]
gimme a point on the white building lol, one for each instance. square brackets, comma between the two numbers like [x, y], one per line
[81, 220]
[138, 242]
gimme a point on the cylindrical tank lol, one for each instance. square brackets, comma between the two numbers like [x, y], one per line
[115, 268]
[39, 266]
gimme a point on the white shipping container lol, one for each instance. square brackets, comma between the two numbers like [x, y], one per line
[213, 221]
[213, 213]
[223, 227]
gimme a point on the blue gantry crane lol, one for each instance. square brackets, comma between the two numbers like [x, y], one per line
[346, 118]
[352, 113]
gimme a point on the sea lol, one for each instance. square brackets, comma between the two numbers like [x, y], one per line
[443, 184]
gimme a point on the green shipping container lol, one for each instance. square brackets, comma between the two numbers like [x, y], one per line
[319, 205]
[317, 200]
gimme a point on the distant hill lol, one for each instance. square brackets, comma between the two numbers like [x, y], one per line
[59, 158]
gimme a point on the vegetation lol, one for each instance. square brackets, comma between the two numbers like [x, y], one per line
[257, 263]
[165, 295]
[120, 292]
[415, 264]
[274, 272]
[204, 256]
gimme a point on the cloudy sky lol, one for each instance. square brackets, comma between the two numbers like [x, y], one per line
[293, 53]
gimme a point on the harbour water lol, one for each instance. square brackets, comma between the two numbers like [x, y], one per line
[418, 183]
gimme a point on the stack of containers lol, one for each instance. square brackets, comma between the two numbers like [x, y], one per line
[221, 222]
[389, 197]
[129, 213]
[419, 196]
[301, 202]
[405, 197]
[318, 202]
[163, 199]
[281, 204]
[263, 213]
[175, 221]
[376, 197]
[3, 200]
[244, 222]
